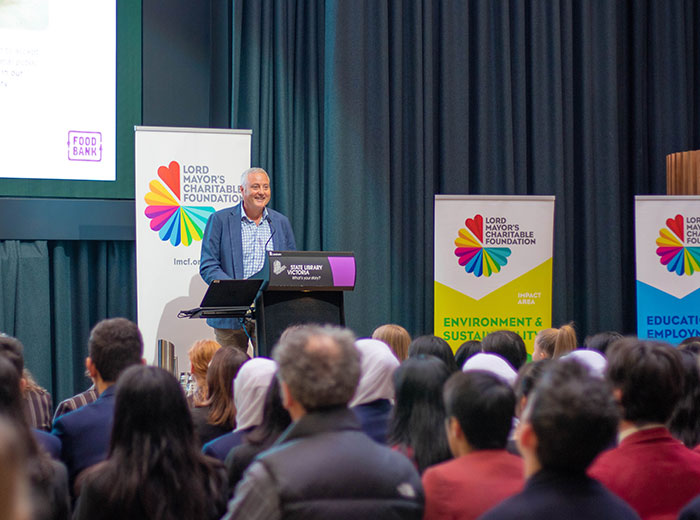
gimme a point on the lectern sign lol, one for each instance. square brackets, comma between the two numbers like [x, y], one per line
[320, 270]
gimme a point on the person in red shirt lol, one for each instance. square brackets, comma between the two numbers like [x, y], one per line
[480, 409]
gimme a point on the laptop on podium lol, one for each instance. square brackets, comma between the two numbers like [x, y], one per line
[226, 299]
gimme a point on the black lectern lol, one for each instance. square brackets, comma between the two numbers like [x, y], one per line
[301, 287]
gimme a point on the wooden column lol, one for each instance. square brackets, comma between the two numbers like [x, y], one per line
[683, 173]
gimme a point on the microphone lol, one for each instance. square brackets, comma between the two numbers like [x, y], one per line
[272, 234]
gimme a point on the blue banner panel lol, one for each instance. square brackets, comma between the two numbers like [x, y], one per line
[664, 317]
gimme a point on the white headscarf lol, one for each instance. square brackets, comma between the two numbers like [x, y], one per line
[249, 389]
[377, 365]
[591, 359]
[492, 363]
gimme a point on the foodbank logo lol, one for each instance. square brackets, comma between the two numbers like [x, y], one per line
[473, 255]
[673, 249]
[174, 222]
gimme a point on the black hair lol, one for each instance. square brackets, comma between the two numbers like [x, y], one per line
[13, 350]
[507, 344]
[684, 423]
[114, 345]
[649, 376]
[528, 376]
[433, 346]
[484, 405]
[573, 415]
[601, 341]
[467, 350]
[418, 418]
[154, 464]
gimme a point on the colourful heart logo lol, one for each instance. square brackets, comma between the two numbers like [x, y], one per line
[676, 225]
[170, 175]
[476, 226]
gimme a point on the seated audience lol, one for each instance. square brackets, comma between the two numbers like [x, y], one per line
[217, 415]
[528, 377]
[48, 479]
[684, 423]
[507, 344]
[396, 337]
[601, 341]
[375, 391]
[492, 363]
[249, 389]
[154, 469]
[38, 403]
[569, 419]
[13, 350]
[200, 355]
[649, 469]
[467, 350]
[433, 346]
[275, 420]
[73, 403]
[480, 409]
[417, 426]
[554, 343]
[324, 466]
[114, 345]
[14, 495]
[591, 359]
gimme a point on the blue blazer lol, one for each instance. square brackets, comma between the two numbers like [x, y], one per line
[219, 447]
[222, 250]
[84, 434]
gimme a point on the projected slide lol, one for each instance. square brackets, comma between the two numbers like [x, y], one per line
[58, 89]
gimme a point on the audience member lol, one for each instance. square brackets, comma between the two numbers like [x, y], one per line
[200, 355]
[467, 350]
[690, 346]
[492, 363]
[217, 415]
[375, 391]
[114, 345]
[601, 341]
[275, 420]
[249, 388]
[433, 346]
[13, 350]
[554, 343]
[525, 383]
[591, 359]
[507, 344]
[48, 479]
[649, 469]
[396, 337]
[154, 469]
[684, 423]
[14, 499]
[324, 466]
[568, 420]
[37, 402]
[73, 403]
[417, 426]
[480, 409]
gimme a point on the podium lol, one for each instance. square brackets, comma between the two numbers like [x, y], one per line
[301, 287]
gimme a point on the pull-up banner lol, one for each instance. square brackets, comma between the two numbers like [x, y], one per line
[183, 175]
[493, 266]
[668, 267]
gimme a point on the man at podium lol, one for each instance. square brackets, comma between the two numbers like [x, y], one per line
[235, 243]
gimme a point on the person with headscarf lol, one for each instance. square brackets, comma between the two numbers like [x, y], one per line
[372, 402]
[492, 363]
[249, 390]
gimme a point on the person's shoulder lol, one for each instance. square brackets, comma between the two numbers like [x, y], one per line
[276, 215]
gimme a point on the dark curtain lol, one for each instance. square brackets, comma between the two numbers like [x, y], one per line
[363, 110]
[51, 295]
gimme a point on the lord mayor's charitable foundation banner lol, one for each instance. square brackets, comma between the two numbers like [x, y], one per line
[183, 175]
[493, 266]
[668, 267]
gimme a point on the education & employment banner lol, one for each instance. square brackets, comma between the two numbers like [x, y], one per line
[493, 266]
[668, 265]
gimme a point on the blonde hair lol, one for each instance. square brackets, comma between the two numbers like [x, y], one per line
[396, 337]
[557, 342]
[200, 355]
